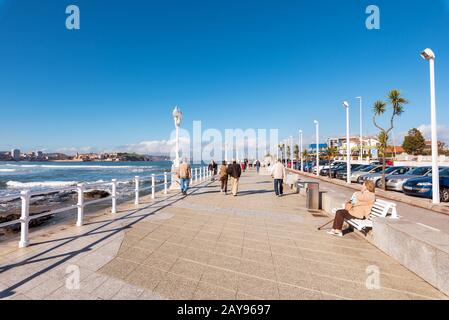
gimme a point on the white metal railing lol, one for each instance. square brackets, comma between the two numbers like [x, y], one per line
[198, 175]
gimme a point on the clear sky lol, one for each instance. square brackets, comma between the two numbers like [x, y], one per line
[232, 64]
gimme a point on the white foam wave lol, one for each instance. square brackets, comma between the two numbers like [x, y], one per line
[8, 170]
[39, 184]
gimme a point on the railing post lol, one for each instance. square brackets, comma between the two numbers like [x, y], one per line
[114, 196]
[153, 186]
[165, 183]
[24, 218]
[80, 205]
[196, 174]
[137, 190]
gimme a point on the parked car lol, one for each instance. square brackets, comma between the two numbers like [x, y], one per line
[341, 173]
[333, 168]
[359, 173]
[396, 182]
[391, 171]
[422, 186]
[322, 164]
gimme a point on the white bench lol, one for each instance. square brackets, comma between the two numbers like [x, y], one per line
[381, 209]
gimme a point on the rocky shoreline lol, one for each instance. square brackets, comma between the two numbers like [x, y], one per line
[39, 204]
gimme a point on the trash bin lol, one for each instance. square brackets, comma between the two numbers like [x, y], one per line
[313, 196]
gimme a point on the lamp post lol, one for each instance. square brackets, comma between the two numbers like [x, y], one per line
[429, 55]
[317, 128]
[177, 118]
[361, 130]
[300, 150]
[285, 152]
[291, 152]
[348, 145]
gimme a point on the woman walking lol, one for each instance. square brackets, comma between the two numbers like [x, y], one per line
[224, 177]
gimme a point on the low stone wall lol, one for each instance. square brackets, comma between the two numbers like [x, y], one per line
[417, 247]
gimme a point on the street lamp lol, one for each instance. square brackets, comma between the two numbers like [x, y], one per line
[361, 130]
[291, 152]
[317, 127]
[177, 117]
[300, 150]
[348, 149]
[430, 56]
[285, 151]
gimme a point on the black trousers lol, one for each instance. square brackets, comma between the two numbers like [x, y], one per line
[278, 186]
[340, 217]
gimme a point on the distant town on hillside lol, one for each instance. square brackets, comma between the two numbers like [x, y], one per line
[17, 155]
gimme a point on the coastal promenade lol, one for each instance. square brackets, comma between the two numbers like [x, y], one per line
[204, 246]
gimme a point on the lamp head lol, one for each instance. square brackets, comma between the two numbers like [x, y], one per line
[428, 54]
[177, 115]
[300, 131]
[315, 121]
[346, 104]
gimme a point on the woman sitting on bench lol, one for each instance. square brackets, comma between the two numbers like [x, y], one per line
[359, 207]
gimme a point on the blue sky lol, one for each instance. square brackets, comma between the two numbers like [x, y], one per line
[231, 64]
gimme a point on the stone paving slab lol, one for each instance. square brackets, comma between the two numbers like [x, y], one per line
[206, 246]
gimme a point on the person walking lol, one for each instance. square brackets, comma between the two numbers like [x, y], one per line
[235, 171]
[185, 174]
[278, 174]
[257, 166]
[213, 169]
[224, 177]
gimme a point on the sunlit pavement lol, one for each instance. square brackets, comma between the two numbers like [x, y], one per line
[206, 246]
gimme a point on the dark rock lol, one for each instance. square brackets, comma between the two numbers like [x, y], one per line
[96, 194]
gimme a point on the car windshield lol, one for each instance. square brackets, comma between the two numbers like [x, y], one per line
[379, 169]
[390, 170]
[444, 172]
[419, 171]
[366, 169]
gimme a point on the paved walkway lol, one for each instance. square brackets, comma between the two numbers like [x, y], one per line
[205, 246]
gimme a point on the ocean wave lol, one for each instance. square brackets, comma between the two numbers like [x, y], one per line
[39, 184]
[8, 170]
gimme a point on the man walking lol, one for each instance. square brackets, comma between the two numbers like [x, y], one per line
[235, 171]
[257, 166]
[278, 174]
[185, 174]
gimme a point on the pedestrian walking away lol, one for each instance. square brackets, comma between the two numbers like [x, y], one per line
[185, 174]
[234, 171]
[213, 169]
[278, 174]
[224, 177]
[257, 166]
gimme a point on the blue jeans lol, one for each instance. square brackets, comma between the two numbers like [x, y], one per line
[278, 186]
[184, 184]
[257, 168]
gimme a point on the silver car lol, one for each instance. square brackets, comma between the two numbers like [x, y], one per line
[396, 182]
[391, 171]
[357, 175]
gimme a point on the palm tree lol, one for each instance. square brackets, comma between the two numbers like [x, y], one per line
[380, 107]
[331, 153]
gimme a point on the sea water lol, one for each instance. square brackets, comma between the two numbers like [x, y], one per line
[37, 176]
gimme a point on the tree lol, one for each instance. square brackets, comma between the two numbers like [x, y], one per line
[414, 142]
[380, 107]
[332, 152]
[296, 151]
